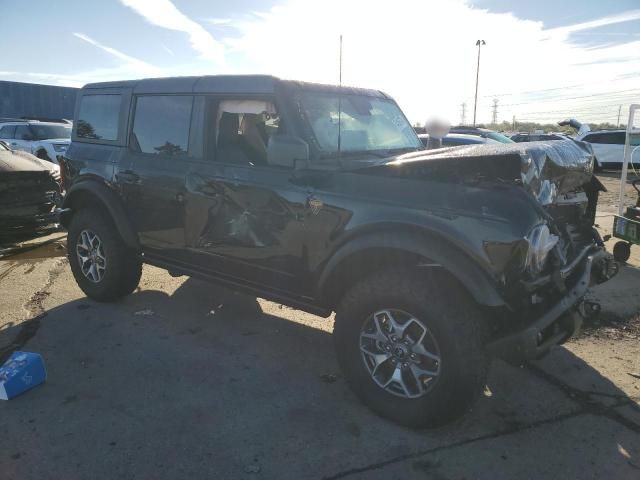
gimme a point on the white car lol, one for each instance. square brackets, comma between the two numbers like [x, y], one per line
[608, 146]
[45, 140]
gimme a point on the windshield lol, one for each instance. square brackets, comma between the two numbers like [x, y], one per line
[44, 132]
[367, 123]
[498, 137]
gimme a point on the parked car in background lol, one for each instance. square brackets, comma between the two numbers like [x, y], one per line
[29, 193]
[608, 146]
[481, 132]
[457, 139]
[537, 137]
[45, 140]
[435, 261]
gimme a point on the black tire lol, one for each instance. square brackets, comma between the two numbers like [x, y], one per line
[43, 155]
[454, 321]
[123, 268]
[622, 251]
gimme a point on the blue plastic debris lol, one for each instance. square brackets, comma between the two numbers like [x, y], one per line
[23, 371]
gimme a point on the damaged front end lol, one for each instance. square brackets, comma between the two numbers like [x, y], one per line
[565, 254]
[532, 208]
[29, 194]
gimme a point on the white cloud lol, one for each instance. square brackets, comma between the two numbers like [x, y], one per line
[163, 13]
[424, 55]
[565, 31]
[132, 62]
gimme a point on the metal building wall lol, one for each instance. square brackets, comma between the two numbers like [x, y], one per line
[30, 100]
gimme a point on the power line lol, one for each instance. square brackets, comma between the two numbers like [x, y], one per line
[526, 92]
[634, 91]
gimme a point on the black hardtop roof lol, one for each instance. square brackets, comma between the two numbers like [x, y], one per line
[224, 84]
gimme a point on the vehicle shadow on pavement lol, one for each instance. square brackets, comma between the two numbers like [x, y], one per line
[203, 382]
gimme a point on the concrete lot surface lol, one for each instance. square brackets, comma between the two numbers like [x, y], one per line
[186, 380]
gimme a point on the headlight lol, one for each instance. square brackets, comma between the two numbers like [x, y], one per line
[541, 242]
[60, 147]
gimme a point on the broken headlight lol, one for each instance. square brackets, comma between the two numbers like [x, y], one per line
[541, 242]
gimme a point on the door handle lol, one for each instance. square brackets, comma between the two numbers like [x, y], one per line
[128, 177]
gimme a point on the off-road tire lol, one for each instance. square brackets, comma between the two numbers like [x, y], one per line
[453, 319]
[123, 269]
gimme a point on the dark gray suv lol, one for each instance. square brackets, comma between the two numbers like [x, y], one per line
[322, 198]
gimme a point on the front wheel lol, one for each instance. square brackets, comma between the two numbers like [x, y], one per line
[104, 268]
[411, 347]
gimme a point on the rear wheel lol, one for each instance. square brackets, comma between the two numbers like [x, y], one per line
[104, 268]
[411, 347]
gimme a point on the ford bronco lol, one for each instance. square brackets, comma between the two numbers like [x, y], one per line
[322, 198]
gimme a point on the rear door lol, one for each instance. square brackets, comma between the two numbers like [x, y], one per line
[162, 146]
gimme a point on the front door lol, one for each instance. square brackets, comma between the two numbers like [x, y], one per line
[246, 217]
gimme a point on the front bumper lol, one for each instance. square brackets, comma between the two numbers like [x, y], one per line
[561, 321]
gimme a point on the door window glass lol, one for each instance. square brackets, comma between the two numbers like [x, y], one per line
[243, 131]
[8, 132]
[23, 133]
[98, 117]
[161, 124]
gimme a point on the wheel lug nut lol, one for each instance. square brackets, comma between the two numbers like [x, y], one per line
[405, 365]
[413, 356]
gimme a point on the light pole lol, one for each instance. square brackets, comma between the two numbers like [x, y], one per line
[479, 43]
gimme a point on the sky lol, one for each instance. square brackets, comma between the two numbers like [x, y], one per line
[543, 61]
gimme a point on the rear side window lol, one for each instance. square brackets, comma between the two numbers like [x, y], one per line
[98, 117]
[8, 131]
[23, 133]
[161, 124]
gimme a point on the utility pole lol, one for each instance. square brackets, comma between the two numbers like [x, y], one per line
[619, 111]
[514, 123]
[494, 115]
[479, 43]
[463, 117]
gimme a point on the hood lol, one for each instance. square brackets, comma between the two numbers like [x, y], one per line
[65, 141]
[546, 169]
[19, 161]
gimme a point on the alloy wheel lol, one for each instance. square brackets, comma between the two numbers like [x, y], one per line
[400, 353]
[91, 256]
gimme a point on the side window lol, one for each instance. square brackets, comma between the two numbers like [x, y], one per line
[23, 133]
[593, 138]
[161, 124]
[617, 138]
[243, 131]
[8, 132]
[98, 117]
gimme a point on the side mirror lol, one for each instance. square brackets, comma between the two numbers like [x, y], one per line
[288, 151]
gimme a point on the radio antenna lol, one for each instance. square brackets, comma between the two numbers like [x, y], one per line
[340, 106]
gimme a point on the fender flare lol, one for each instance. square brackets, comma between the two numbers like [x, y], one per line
[479, 283]
[109, 200]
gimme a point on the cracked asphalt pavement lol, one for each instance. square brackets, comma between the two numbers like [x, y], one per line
[184, 379]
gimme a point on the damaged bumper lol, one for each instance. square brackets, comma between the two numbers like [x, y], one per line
[564, 317]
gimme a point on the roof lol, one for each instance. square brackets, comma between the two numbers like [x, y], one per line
[224, 84]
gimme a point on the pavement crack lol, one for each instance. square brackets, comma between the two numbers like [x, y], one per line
[586, 402]
[29, 328]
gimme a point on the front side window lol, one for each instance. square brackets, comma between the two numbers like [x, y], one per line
[98, 117]
[46, 132]
[366, 124]
[161, 124]
[244, 128]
